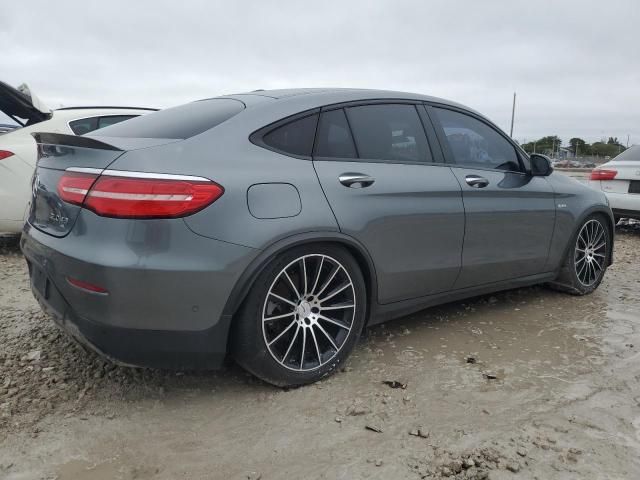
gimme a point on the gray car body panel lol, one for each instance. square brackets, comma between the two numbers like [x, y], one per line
[419, 234]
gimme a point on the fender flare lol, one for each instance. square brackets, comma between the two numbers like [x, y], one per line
[258, 264]
[597, 208]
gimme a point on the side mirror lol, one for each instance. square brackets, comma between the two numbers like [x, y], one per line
[540, 165]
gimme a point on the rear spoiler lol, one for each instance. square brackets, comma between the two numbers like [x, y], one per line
[46, 138]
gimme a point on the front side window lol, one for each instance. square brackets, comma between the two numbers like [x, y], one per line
[389, 132]
[334, 137]
[295, 137]
[475, 144]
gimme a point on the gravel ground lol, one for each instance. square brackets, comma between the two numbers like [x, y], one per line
[528, 383]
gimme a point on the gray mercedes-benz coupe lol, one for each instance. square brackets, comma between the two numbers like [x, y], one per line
[275, 225]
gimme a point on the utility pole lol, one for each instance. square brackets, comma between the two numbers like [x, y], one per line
[513, 113]
[627, 140]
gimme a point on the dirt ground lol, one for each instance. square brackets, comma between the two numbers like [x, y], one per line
[528, 383]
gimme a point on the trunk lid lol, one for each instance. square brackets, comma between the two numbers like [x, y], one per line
[21, 105]
[57, 153]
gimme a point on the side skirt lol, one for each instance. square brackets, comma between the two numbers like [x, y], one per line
[383, 313]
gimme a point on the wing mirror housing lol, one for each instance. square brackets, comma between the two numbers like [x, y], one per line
[540, 165]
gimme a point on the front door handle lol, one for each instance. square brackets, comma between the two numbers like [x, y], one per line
[356, 180]
[476, 181]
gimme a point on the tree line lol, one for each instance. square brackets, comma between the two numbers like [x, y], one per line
[550, 145]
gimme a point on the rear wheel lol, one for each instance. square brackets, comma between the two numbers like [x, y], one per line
[302, 316]
[587, 258]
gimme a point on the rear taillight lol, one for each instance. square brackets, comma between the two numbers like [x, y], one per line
[139, 195]
[603, 174]
[74, 186]
[5, 154]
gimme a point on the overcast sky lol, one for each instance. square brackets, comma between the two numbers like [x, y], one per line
[574, 64]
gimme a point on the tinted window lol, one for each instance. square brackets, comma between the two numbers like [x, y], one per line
[113, 119]
[294, 137]
[475, 143]
[334, 137]
[389, 132]
[84, 125]
[178, 122]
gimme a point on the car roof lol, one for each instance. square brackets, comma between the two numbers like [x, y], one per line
[318, 97]
[105, 108]
[341, 93]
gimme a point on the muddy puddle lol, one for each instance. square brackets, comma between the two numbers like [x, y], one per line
[528, 383]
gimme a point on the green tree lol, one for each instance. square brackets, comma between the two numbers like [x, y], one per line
[583, 148]
[546, 145]
[609, 149]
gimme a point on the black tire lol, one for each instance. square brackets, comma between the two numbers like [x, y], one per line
[273, 349]
[571, 278]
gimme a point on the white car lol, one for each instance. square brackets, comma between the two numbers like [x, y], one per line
[619, 179]
[18, 150]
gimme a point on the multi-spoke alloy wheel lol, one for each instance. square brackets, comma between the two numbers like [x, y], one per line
[308, 312]
[588, 258]
[590, 254]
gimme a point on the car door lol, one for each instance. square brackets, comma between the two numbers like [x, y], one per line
[510, 214]
[392, 193]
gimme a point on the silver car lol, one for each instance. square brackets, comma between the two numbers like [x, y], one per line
[275, 225]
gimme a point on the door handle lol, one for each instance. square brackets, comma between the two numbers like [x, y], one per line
[476, 181]
[356, 180]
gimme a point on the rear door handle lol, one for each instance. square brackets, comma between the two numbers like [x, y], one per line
[476, 181]
[356, 180]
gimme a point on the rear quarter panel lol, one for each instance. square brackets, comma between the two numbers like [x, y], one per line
[226, 156]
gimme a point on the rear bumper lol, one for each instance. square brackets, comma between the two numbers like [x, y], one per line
[624, 204]
[165, 306]
[135, 347]
[623, 213]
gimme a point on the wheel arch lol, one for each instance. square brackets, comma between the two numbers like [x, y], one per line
[602, 210]
[253, 270]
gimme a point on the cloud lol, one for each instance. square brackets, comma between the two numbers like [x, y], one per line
[574, 64]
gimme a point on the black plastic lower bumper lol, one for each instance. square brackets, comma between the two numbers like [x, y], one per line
[176, 350]
[622, 213]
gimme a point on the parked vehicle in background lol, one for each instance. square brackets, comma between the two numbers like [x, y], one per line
[619, 179]
[5, 127]
[18, 150]
[275, 225]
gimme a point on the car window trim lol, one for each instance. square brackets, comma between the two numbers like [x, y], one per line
[437, 159]
[449, 158]
[97, 121]
[257, 137]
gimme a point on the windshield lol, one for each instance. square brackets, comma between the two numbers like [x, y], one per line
[179, 122]
[630, 154]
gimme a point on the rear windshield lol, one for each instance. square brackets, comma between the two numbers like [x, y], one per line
[178, 122]
[630, 154]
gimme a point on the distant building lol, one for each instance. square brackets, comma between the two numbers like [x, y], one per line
[566, 152]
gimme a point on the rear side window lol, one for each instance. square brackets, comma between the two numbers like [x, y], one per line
[389, 132]
[474, 143]
[334, 136]
[295, 137]
[178, 122]
[113, 119]
[84, 125]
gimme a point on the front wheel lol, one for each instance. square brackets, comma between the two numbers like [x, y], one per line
[302, 317]
[587, 258]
